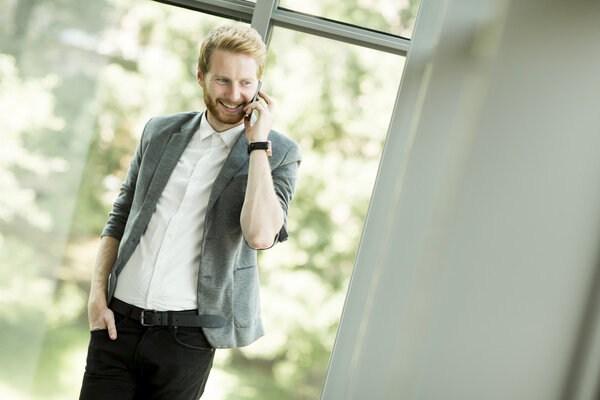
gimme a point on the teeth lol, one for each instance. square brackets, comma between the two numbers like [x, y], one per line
[229, 105]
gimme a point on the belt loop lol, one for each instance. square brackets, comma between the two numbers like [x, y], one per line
[170, 319]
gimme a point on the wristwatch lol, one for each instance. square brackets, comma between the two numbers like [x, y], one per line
[260, 146]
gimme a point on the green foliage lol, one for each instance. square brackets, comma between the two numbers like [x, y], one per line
[80, 81]
[391, 16]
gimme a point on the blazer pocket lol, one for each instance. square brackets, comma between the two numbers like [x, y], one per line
[246, 301]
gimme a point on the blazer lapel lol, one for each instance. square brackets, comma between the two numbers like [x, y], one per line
[170, 156]
[238, 157]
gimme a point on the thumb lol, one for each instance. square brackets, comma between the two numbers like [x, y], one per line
[110, 325]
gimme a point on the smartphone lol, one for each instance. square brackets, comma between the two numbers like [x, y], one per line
[254, 98]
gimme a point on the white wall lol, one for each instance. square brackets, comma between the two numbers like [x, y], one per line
[476, 270]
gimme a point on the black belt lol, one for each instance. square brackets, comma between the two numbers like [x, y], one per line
[188, 318]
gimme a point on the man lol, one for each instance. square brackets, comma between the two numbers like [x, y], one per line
[176, 273]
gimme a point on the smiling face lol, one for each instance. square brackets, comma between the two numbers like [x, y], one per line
[229, 85]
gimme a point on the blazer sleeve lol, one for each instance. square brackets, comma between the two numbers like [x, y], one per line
[115, 226]
[284, 181]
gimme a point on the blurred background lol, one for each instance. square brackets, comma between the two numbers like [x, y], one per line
[78, 81]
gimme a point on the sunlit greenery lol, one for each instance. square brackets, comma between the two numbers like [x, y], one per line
[78, 80]
[392, 16]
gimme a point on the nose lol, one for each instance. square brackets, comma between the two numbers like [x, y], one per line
[235, 92]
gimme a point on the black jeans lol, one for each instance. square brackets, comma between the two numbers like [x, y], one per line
[146, 363]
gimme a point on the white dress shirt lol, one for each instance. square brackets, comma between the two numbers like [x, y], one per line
[162, 273]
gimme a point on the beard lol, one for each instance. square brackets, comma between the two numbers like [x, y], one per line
[215, 111]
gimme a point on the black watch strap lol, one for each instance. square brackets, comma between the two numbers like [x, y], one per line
[260, 146]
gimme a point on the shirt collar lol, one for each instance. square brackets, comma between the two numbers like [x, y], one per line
[230, 136]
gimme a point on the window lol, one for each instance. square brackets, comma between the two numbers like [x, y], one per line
[336, 100]
[94, 73]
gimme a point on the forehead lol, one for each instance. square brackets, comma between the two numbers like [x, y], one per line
[232, 64]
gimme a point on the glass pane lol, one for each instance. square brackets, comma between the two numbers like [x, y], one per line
[390, 16]
[94, 73]
[78, 80]
[336, 100]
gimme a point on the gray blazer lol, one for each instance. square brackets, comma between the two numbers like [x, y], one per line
[228, 274]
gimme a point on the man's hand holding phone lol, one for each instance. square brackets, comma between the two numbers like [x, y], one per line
[263, 104]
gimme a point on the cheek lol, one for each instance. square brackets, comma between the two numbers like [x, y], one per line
[214, 94]
[248, 94]
[214, 89]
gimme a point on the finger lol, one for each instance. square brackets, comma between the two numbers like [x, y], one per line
[263, 107]
[260, 106]
[249, 108]
[252, 106]
[268, 104]
[265, 97]
[110, 324]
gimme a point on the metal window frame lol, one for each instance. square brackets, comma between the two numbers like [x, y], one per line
[266, 14]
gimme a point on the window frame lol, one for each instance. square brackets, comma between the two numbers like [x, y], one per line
[265, 14]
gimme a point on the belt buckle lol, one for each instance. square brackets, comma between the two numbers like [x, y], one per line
[142, 318]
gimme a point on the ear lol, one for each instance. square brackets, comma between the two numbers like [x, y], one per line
[200, 78]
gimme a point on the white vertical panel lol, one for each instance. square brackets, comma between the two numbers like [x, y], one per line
[481, 244]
